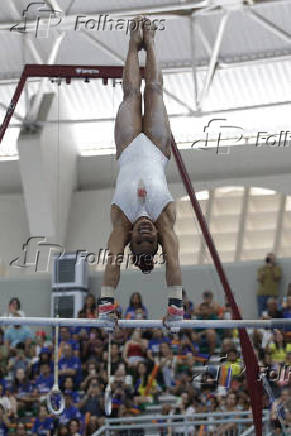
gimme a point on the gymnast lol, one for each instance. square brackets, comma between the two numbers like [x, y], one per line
[143, 211]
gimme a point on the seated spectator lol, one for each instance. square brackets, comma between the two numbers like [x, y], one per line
[233, 360]
[208, 298]
[280, 405]
[44, 381]
[272, 308]
[268, 276]
[145, 384]
[74, 427]
[16, 334]
[188, 306]
[69, 388]
[154, 343]
[4, 421]
[20, 429]
[135, 349]
[277, 347]
[14, 306]
[206, 337]
[66, 338]
[7, 401]
[44, 357]
[70, 411]
[89, 309]
[286, 312]
[166, 367]
[43, 424]
[94, 347]
[136, 309]
[4, 353]
[19, 360]
[92, 402]
[69, 365]
[22, 388]
[231, 403]
[62, 430]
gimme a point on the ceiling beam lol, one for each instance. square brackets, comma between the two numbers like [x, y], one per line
[33, 110]
[213, 59]
[269, 25]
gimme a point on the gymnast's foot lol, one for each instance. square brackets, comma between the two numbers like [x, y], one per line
[136, 32]
[175, 310]
[106, 308]
[149, 32]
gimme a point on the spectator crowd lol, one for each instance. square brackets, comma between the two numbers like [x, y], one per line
[146, 367]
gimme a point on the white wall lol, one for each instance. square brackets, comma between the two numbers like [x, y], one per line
[34, 290]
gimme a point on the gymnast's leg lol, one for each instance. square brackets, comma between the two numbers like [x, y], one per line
[155, 122]
[128, 123]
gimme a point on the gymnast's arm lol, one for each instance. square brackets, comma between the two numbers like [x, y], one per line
[118, 239]
[169, 242]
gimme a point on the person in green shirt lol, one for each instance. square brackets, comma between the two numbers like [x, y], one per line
[268, 276]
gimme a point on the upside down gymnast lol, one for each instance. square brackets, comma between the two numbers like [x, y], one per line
[143, 211]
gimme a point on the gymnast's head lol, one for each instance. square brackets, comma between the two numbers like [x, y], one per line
[144, 244]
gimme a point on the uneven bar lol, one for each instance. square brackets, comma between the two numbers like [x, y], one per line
[147, 323]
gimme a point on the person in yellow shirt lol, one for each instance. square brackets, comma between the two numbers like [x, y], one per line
[268, 276]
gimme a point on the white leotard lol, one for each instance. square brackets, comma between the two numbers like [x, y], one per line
[142, 160]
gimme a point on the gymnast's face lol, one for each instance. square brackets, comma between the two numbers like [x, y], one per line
[144, 236]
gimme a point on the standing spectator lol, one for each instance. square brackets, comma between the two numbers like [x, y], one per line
[268, 276]
[136, 309]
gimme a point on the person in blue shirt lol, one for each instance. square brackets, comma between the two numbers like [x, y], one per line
[45, 381]
[154, 344]
[135, 305]
[66, 338]
[18, 334]
[70, 411]
[69, 365]
[4, 422]
[43, 424]
[69, 388]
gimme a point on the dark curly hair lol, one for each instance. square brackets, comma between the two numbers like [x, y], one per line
[144, 261]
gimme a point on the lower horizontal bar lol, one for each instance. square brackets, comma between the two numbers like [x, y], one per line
[147, 323]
